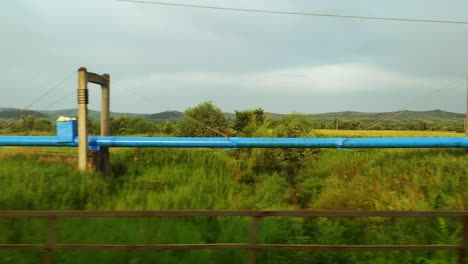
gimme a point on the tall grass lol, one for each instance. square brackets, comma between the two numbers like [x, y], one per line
[153, 179]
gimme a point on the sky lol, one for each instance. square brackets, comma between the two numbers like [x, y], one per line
[170, 58]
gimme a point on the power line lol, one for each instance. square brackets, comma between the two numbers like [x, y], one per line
[69, 94]
[191, 119]
[299, 13]
[49, 91]
[395, 114]
[379, 121]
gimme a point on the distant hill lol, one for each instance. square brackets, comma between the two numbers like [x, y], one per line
[73, 112]
[167, 115]
[14, 114]
[433, 115]
[398, 115]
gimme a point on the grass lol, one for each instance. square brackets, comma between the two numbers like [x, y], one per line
[153, 179]
[384, 133]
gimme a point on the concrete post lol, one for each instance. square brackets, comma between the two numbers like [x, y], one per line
[105, 107]
[82, 119]
[466, 115]
[105, 166]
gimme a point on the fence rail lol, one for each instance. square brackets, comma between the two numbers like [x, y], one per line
[252, 246]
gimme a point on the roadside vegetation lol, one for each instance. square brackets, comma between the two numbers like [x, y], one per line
[153, 179]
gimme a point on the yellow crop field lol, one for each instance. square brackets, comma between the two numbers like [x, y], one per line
[384, 133]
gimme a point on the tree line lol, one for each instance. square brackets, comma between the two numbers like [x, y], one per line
[207, 120]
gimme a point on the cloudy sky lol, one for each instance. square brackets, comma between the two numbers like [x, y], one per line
[170, 58]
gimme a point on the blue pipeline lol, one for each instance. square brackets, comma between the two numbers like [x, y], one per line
[164, 142]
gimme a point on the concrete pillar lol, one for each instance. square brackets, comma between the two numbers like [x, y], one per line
[466, 115]
[105, 107]
[82, 119]
[104, 160]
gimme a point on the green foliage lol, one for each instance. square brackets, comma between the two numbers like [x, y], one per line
[197, 119]
[29, 123]
[255, 118]
[14, 114]
[134, 125]
[294, 126]
[156, 179]
[392, 124]
[285, 162]
[153, 179]
[247, 123]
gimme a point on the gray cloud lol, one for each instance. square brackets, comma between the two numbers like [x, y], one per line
[171, 58]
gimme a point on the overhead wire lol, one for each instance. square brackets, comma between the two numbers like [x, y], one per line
[372, 124]
[380, 121]
[395, 114]
[375, 122]
[298, 13]
[48, 91]
[35, 101]
[55, 102]
[190, 118]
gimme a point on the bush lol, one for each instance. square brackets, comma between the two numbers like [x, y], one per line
[204, 120]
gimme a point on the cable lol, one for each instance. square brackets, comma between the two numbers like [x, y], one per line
[60, 99]
[179, 113]
[395, 114]
[373, 124]
[49, 91]
[202, 124]
[299, 13]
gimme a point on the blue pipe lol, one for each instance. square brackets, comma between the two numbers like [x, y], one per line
[97, 141]
[51, 141]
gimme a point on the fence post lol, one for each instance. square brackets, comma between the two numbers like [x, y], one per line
[51, 239]
[253, 239]
[464, 242]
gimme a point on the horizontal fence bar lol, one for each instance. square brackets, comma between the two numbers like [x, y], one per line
[252, 246]
[234, 246]
[236, 142]
[254, 213]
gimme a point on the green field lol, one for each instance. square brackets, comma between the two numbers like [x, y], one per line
[152, 179]
[384, 133]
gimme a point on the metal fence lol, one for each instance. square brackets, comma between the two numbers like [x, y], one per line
[253, 244]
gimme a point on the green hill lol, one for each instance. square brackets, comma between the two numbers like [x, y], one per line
[432, 115]
[11, 114]
[167, 115]
[398, 115]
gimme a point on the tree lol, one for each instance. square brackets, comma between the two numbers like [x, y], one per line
[204, 120]
[244, 118]
[30, 123]
[350, 124]
[285, 162]
[130, 125]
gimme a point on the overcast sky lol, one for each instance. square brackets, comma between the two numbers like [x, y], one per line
[170, 58]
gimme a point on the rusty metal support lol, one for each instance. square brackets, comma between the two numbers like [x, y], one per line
[253, 244]
[462, 258]
[50, 244]
[253, 239]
